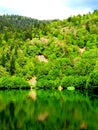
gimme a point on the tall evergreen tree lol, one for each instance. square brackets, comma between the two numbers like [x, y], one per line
[12, 65]
[3, 60]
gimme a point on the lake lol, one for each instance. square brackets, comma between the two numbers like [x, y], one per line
[47, 110]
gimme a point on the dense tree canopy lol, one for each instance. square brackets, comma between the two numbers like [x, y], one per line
[69, 47]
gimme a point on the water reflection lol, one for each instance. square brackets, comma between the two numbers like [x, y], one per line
[52, 110]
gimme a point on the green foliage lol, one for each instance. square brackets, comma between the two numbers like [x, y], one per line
[69, 46]
[93, 80]
[77, 82]
[67, 81]
[60, 36]
[12, 65]
[3, 60]
[12, 82]
[70, 49]
[44, 83]
[3, 71]
[86, 64]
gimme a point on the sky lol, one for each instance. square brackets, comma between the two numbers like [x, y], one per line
[47, 9]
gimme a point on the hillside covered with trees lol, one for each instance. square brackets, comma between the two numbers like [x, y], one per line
[57, 52]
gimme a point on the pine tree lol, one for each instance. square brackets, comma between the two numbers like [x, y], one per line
[12, 65]
[3, 60]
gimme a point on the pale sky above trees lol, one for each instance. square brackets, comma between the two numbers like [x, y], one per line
[47, 9]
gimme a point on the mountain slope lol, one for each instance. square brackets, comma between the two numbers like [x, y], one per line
[69, 46]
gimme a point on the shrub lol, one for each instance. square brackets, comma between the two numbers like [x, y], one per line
[80, 82]
[77, 82]
[93, 80]
[3, 71]
[44, 83]
[67, 81]
[13, 82]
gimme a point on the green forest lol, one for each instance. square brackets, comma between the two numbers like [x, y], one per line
[49, 55]
[69, 48]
